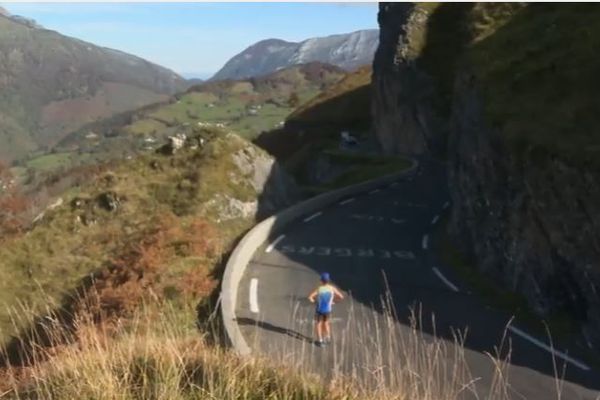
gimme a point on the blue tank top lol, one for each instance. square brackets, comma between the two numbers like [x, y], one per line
[324, 299]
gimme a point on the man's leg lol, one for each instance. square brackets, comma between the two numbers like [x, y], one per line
[319, 328]
[327, 328]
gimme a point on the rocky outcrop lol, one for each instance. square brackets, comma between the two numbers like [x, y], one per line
[530, 218]
[402, 94]
[276, 189]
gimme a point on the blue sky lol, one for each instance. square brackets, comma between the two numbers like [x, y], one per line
[195, 38]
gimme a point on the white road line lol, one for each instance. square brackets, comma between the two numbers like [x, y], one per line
[435, 219]
[315, 215]
[254, 295]
[425, 242]
[346, 201]
[549, 349]
[272, 245]
[446, 205]
[375, 191]
[444, 279]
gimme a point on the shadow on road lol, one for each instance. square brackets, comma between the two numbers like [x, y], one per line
[273, 328]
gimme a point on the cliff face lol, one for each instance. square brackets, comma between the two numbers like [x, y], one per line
[521, 139]
[402, 93]
[531, 220]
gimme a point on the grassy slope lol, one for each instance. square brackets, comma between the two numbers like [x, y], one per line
[346, 103]
[534, 64]
[163, 213]
[536, 72]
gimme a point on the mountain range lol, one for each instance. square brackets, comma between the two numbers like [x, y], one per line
[348, 51]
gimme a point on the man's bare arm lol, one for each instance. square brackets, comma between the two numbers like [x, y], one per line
[338, 293]
[311, 297]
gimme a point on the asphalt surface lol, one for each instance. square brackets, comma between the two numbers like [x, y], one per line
[404, 309]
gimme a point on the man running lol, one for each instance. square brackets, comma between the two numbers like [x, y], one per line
[323, 296]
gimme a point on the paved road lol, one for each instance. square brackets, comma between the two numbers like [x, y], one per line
[379, 243]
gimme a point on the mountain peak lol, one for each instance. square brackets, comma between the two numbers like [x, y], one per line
[348, 51]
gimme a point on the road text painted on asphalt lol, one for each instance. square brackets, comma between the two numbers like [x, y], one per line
[376, 218]
[346, 252]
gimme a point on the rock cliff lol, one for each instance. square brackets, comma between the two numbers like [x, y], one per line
[520, 147]
[401, 92]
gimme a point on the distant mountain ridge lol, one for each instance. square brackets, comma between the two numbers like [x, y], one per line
[51, 85]
[348, 51]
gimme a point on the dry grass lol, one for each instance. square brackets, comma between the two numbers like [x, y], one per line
[152, 356]
[156, 356]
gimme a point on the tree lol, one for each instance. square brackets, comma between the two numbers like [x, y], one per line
[13, 204]
[294, 100]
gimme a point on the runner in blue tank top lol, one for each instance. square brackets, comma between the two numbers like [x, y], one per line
[323, 297]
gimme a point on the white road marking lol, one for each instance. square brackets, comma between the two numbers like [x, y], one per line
[375, 191]
[425, 242]
[315, 215]
[254, 295]
[435, 219]
[549, 349]
[272, 245]
[446, 205]
[587, 339]
[444, 279]
[346, 201]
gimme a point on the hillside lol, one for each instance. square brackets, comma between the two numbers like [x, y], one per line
[155, 224]
[344, 104]
[347, 51]
[52, 85]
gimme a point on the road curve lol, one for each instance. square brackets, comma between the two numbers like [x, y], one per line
[377, 247]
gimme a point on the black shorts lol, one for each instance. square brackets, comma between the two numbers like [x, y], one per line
[322, 316]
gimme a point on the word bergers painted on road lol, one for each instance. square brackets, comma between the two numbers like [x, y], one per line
[376, 218]
[346, 252]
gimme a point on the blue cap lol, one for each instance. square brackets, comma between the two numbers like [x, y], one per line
[325, 277]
